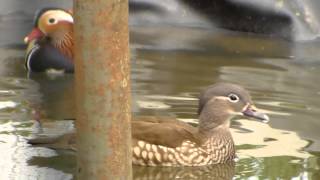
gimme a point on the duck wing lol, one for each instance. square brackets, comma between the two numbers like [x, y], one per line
[163, 131]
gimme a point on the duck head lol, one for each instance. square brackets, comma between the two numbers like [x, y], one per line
[52, 23]
[53, 26]
[219, 102]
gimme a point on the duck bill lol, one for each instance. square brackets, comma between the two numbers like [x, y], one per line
[252, 111]
[36, 33]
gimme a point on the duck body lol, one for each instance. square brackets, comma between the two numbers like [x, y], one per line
[43, 56]
[180, 145]
[160, 141]
[50, 43]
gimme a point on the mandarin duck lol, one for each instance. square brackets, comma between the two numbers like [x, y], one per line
[50, 43]
[168, 142]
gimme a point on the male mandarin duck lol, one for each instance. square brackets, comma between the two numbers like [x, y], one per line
[50, 43]
[169, 142]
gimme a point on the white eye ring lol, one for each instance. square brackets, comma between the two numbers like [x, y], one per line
[233, 98]
[52, 21]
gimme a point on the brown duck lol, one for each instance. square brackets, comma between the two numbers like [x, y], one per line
[169, 142]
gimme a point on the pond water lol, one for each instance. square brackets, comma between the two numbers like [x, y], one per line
[170, 65]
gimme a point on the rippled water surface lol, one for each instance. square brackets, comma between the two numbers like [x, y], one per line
[170, 65]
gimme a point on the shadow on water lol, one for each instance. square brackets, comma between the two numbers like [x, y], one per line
[170, 65]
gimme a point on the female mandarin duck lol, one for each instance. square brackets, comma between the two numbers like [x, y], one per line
[168, 142]
[50, 43]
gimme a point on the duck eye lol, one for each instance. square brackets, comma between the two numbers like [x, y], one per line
[233, 98]
[51, 21]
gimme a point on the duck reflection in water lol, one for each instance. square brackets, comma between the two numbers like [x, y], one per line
[224, 171]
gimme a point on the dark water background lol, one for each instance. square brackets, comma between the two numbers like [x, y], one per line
[170, 65]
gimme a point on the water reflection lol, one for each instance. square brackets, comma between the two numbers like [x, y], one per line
[57, 94]
[169, 68]
[15, 154]
[288, 167]
[219, 172]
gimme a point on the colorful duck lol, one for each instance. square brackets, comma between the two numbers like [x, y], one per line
[50, 43]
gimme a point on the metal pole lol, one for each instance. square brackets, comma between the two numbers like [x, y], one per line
[102, 89]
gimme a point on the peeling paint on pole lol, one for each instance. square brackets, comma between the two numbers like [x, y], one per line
[102, 89]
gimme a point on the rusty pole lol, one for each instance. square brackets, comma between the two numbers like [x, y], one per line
[102, 89]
